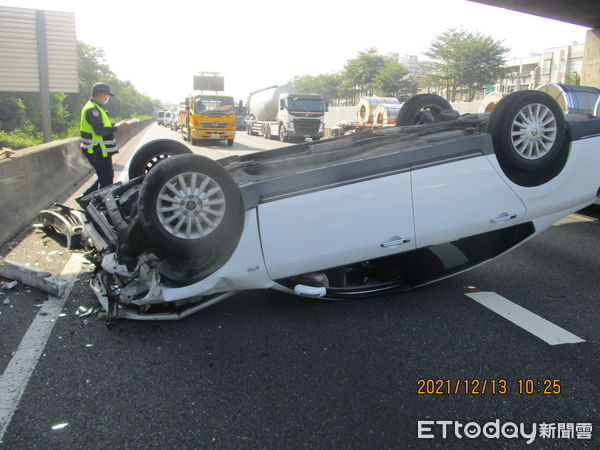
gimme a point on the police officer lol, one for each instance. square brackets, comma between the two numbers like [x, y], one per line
[97, 136]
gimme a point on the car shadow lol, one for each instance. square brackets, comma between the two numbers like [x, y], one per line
[592, 211]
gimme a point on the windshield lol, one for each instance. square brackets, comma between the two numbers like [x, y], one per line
[305, 104]
[213, 105]
[160, 114]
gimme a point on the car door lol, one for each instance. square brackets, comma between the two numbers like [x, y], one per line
[463, 198]
[332, 227]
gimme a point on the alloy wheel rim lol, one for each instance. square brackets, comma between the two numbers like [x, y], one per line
[533, 131]
[190, 205]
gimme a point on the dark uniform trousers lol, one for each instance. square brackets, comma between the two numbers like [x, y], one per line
[104, 170]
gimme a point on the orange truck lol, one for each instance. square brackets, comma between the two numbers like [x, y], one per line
[208, 117]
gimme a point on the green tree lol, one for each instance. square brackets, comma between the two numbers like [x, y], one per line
[325, 84]
[466, 60]
[358, 76]
[393, 80]
[12, 112]
[572, 78]
[20, 118]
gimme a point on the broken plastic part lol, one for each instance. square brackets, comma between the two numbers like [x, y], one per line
[60, 426]
[62, 219]
[9, 284]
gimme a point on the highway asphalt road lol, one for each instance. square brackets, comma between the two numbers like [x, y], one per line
[267, 370]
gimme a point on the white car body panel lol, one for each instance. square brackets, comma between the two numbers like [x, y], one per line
[574, 188]
[460, 199]
[322, 229]
[245, 269]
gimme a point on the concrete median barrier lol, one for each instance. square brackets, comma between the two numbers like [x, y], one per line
[37, 177]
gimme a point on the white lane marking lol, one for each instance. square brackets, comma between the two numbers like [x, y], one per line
[125, 170]
[15, 378]
[534, 324]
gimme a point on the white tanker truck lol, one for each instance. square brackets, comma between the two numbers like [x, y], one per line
[283, 112]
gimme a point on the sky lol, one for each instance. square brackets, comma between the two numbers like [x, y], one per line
[159, 46]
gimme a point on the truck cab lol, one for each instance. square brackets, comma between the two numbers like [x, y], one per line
[301, 115]
[284, 112]
[209, 117]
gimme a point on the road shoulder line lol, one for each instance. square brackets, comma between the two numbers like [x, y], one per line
[15, 378]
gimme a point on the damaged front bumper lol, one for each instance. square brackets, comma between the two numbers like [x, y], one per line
[130, 287]
[141, 291]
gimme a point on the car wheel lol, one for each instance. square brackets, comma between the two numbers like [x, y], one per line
[528, 130]
[421, 109]
[150, 154]
[230, 142]
[281, 133]
[190, 205]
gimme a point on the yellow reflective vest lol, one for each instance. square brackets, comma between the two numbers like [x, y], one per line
[90, 141]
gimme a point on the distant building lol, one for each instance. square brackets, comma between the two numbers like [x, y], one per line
[553, 65]
[415, 66]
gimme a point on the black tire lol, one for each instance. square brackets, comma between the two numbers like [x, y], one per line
[230, 142]
[220, 228]
[150, 154]
[528, 130]
[421, 109]
[281, 133]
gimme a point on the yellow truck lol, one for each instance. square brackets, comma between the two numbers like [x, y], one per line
[207, 117]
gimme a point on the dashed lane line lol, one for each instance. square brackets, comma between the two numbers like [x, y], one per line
[530, 322]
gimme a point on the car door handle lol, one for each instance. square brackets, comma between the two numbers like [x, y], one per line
[503, 217]
[395, 241]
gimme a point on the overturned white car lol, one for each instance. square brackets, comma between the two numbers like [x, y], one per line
[342, 218]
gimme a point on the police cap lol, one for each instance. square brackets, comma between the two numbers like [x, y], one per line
[101, 87]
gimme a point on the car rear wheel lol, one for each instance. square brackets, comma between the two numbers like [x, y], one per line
[528, 130]
[421, 109]
[281, 133]
[190, 205]
[150, 154]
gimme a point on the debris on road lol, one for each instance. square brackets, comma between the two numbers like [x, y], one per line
[66, 221]
[60, 426]
[6, 301]
[6, 152]
[7, 285]
[46, 281]
[82, 311]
